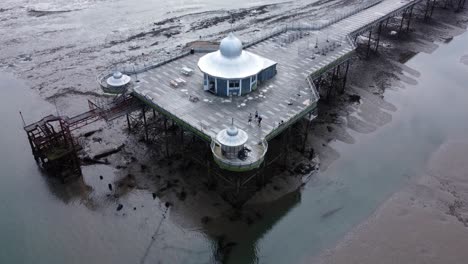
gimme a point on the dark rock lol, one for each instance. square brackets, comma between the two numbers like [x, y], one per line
[329, 128]
[154, 195]
[182, 195]
[205, 220]
[168, 204]
[134, 208]
[119, 207]
[303, 168]
[354, 98]
[100, 177]
[110, 187]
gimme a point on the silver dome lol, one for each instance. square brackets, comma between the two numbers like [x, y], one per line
[118, 79]
[230, 46]
[232, 137]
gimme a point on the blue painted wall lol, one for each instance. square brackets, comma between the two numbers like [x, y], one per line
[222, 85]
[267, 73]
[245, 86]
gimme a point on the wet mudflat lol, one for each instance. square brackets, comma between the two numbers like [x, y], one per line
[45, 222]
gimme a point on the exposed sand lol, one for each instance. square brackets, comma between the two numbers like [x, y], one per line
[426, 222]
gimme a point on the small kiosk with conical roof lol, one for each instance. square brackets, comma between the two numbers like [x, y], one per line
[232, 141]
[232, 152]
[116, 83]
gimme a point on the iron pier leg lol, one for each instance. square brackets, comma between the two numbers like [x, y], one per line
[409, 18]
[265, 162]
[433, 6]
[338, 76]
[369, 43]
[182, 139]
[129, 125]
[286, 147]
[166, 137]
[306, 132]
[345, 77]
[378, 37]
[143, 111]
[319, 82]
[401, 24]
[330, 87]
[426, 12]
[154, 114]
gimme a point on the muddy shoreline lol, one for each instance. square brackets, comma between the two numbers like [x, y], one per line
[423, 223]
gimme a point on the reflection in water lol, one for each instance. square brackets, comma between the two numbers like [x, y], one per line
[71, 190]
[250, 228]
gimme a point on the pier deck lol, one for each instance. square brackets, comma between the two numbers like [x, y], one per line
[302, 54]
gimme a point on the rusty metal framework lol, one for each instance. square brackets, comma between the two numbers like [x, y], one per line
[53, 146]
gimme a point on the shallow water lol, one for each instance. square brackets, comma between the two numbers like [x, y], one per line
[429, 113]
[43, 222]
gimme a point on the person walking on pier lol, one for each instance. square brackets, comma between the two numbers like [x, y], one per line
[259, 121]
[256, 114]
[250, 118]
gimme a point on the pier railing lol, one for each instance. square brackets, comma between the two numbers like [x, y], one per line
[236, 164]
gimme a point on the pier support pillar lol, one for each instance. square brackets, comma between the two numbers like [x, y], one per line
[369, 43]
[378, 37]
[285, 144]
[166, 138]
[332, 84]
[433, 6]
[409, 18]
[143, 112]
[402, 22]
[129, 125]
[345, 78]
[306, 132]
[182, 138]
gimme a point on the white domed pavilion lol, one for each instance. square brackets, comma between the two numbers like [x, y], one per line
[234, 71]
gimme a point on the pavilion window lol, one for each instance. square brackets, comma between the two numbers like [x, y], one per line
[234, 84]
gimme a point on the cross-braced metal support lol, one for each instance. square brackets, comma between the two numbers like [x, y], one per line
[333, 81]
